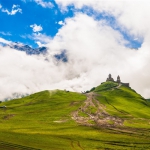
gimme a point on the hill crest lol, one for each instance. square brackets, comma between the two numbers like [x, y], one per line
[62, 119]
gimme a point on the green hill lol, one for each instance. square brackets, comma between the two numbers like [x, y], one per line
[111, 116]
[124, 102]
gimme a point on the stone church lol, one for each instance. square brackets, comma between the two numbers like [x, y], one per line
[118, 80]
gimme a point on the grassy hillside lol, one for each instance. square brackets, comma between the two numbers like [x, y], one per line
[106, 86]
[36, 119]
[44, 120]
[124, 102]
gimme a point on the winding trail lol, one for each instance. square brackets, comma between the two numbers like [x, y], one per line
[93, 113]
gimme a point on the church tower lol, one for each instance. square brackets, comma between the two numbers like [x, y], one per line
[110, 78]
[118, 79]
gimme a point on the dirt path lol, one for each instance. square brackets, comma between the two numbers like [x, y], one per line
[93, 113]
[117, 87]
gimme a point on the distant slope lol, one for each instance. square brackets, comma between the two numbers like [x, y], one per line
[53, 105]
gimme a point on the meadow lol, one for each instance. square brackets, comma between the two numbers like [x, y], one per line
[43, 121]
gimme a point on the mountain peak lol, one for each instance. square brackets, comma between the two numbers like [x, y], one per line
[29, 50]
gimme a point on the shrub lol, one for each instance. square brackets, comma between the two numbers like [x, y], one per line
[92, 89]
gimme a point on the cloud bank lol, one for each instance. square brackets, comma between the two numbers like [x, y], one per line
[93, 47]
[15, 9]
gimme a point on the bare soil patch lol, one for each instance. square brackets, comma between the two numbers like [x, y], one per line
[93, 113]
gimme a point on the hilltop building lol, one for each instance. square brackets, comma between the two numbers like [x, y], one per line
[110, 78]
[126, 84]
[118, 80]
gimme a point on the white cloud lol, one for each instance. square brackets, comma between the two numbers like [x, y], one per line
[61, 23]
[0, 6]
[132, 17]
[41, 39]
[94, 50]
[28, 68]
[36, 28]
[39, 44]
[15, 9]
[4, 41]
[88, 54]
[44, 4]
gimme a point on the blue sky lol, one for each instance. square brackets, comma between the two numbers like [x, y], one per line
[18, 26]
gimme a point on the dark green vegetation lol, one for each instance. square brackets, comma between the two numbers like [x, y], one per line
[105, 86]
[44, 121]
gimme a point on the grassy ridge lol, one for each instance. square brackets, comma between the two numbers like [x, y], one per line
[127, 104]
[43, 121]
